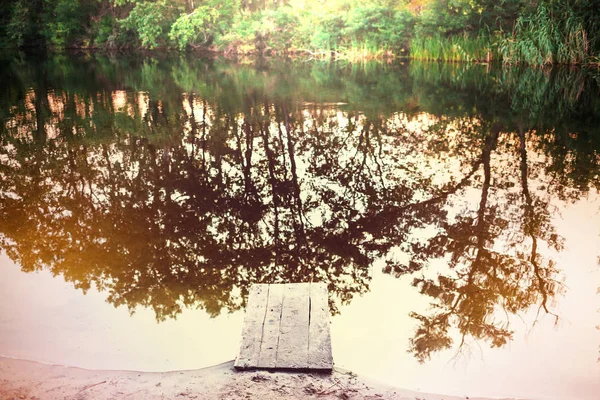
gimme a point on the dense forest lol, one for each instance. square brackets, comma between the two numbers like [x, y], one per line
[512, 31]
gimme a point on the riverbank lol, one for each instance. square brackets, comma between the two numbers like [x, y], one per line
[21, 379]
[515, 32]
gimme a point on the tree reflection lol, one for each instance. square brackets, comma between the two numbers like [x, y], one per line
[495, 262]
[184, 193]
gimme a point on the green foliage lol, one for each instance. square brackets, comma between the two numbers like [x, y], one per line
[445, 17]
[497, 15]
[240, 37]
[106, 32]
[277, 28]
[202, 25]
[20, 29]
[327, 30]
[452, 17]
[147, 20]
[194, 28]
[63, 21]
[552, 33]
[549, 31]
[18, 24]
[378, 24]
[53, 23]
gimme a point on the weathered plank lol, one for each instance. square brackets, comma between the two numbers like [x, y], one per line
[286, 327]
[319, 338]
[253, 326]
[293, 337]
[271, 328]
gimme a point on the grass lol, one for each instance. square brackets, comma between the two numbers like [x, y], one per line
[548, 37]
[454, 48]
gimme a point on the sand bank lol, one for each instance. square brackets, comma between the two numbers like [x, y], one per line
[20, 379]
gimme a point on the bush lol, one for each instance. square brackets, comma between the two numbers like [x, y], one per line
[106, 32]
[201, 26]
[148, 20]
[195, 28]
[63, 22]
[325, 31]
[240, 36]
[19, 24]
[281, 26]
[379, 26]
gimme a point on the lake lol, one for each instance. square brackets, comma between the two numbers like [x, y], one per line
[452, 210]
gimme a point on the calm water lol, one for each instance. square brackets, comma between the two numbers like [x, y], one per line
[453, 211]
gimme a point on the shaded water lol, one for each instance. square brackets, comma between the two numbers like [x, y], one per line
[451, 209]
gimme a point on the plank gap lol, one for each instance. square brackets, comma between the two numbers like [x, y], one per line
[262, 333]
[279, 337]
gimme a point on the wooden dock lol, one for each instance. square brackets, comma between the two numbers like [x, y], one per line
[286, 327]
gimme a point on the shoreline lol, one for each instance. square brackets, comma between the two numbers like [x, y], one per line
[31, 380]
[293, 55]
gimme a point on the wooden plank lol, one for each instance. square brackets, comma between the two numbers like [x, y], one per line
[319, 338]
[292, 352]
[286, 327]
[253, 326]
[271, 327]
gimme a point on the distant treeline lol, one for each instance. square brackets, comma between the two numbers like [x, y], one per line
[511, 31]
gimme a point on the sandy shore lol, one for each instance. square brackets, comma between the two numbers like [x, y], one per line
[20, 379]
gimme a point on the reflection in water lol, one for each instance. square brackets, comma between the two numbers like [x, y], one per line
[174, 183]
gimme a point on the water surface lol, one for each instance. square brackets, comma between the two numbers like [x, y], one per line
[451, 209]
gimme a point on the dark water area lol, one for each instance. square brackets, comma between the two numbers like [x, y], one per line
[452, 210]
